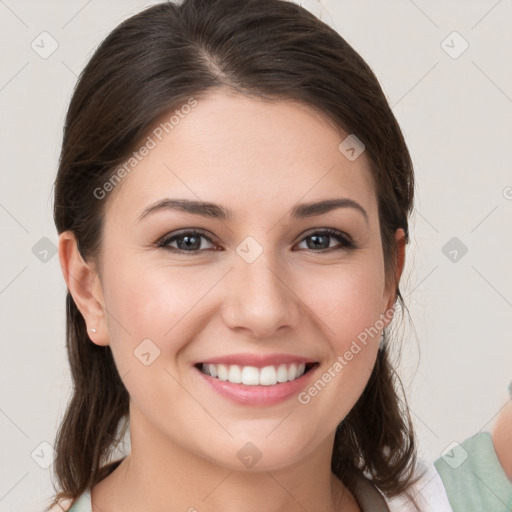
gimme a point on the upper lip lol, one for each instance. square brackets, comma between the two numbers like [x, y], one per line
[257, 360]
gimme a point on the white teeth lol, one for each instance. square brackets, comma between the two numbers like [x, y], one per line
[292, 371]
[252, 376]
[268, 376]
[282, 373]
[222, 372]
[235, 374]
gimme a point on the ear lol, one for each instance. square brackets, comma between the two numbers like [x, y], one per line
[399, 267]
[84, 284]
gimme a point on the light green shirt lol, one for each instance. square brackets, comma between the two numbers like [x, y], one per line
[473, 477]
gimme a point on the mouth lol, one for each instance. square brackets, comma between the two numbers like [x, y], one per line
[271, 375]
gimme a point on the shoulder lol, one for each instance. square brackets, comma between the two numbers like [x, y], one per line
[502, 438]
[428, 492]
[81, 504]
[63, 506]
[473, 476]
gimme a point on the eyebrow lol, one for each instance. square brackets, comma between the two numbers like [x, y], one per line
[215, 211]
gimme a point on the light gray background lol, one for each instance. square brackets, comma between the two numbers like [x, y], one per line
[456, 114]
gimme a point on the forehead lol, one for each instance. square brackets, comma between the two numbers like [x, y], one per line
[229, 148]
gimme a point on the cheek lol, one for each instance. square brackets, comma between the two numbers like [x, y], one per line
[348, 306]
[348, 300]
[154, 302]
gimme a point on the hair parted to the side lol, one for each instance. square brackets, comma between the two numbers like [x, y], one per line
[156, 61]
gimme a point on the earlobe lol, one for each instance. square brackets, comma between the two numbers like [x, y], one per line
[84, 285]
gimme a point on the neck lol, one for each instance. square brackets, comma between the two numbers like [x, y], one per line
[154, 479]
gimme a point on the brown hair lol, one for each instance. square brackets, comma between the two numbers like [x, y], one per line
[156, 61]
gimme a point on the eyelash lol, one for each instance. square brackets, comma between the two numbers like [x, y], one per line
[345, 241]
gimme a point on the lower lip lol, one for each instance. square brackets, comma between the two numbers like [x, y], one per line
[258, 395]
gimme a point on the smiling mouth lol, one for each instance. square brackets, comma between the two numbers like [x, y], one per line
[253, 376]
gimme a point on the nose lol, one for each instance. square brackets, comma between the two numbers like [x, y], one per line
[259, 298]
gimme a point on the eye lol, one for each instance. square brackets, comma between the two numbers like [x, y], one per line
[321, 240]
[191, 241]
[186, 241]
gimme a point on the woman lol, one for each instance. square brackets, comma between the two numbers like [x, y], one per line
[232, 204]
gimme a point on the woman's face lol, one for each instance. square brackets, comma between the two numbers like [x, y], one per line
[262, 286]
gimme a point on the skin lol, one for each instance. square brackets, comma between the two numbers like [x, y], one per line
[258, 159]
[502, 438]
